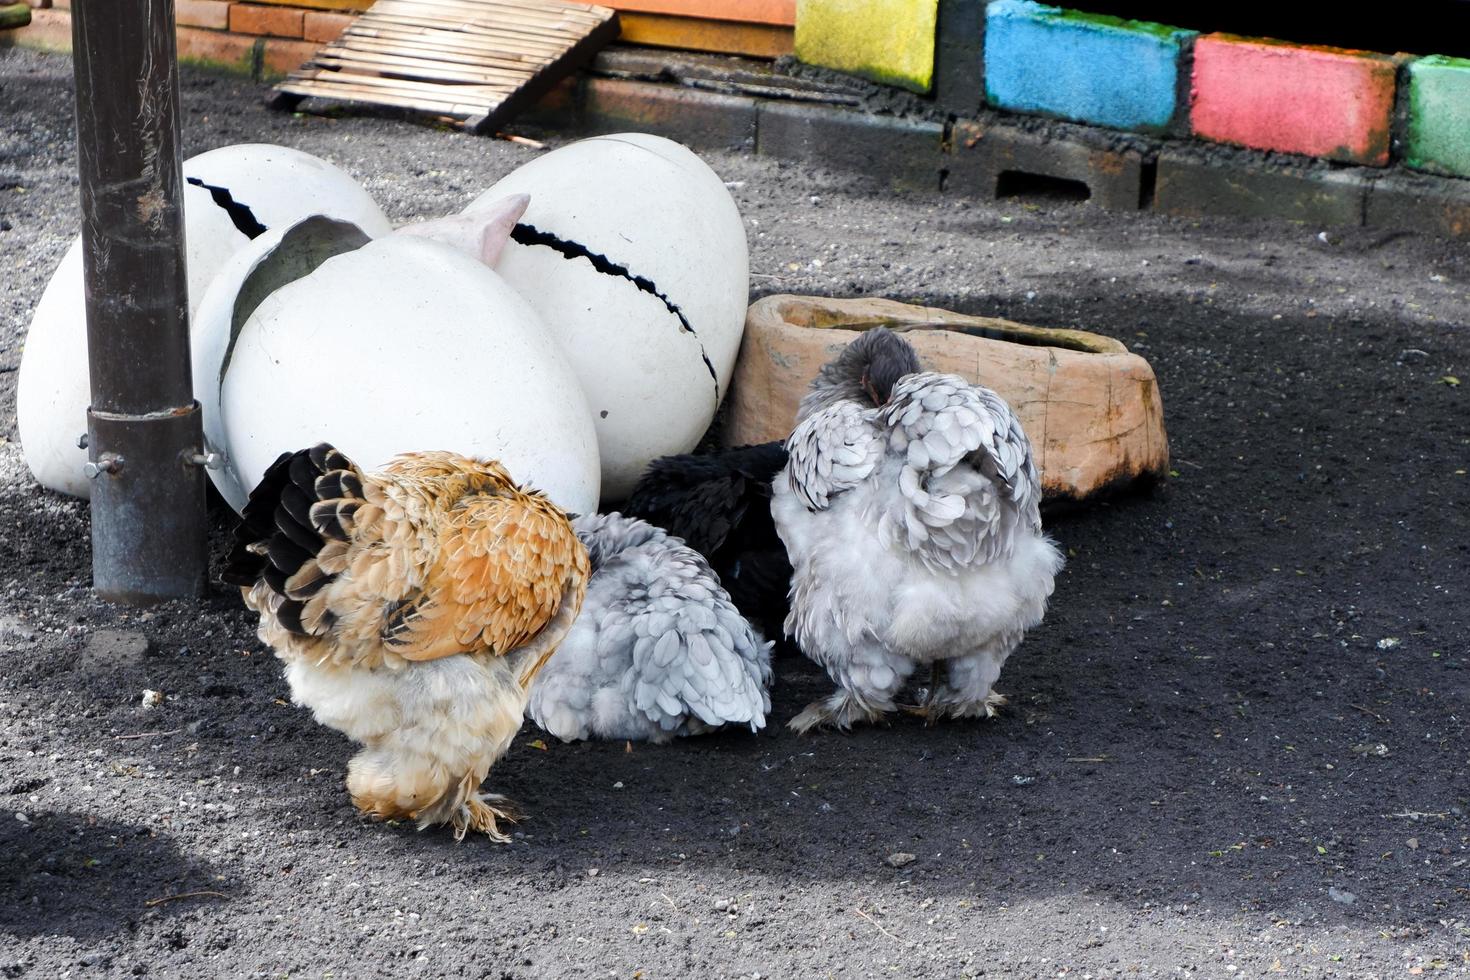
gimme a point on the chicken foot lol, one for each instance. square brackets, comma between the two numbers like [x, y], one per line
[963, 688]
[482, 812]
[866, 685]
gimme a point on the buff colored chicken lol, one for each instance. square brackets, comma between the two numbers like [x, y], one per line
[412, 608]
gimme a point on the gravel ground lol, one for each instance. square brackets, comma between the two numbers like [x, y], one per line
[1238, 745]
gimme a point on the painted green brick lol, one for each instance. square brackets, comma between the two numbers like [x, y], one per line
[1439, 116]
[889, 41]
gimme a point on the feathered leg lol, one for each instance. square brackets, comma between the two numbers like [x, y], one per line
[867, 680]
[969, 689]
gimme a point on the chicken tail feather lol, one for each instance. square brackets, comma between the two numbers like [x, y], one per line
[293, 531]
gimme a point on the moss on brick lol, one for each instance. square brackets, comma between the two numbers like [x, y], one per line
[1438, 137]
[1162, 32]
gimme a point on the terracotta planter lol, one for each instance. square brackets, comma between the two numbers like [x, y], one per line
[1091, 408]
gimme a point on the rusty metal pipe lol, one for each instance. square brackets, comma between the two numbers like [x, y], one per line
[144, 436]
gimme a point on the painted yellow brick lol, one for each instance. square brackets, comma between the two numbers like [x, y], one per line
[889, 41]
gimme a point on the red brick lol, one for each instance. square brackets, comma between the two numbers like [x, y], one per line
[324, 26]
[217, 49]
[248, 18]
[282, 57]
[1321, 102]
[49, 30]
[202, 13]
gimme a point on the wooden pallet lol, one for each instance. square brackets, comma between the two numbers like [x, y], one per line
[479, 62]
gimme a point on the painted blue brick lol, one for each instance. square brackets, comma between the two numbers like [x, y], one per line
[1085, 67]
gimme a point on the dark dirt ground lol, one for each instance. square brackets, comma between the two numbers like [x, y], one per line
[1251, 694]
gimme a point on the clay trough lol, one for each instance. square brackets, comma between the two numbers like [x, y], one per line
[1090, 407]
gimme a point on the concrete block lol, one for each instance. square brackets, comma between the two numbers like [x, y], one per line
[248, 18]
[324, 26]
[959, 77]
[1190, 186]
[1268, 95]
[707, 120]
[889, 41]
[1084, 67]
[211, 14]
[903, 153]
[1411, 202]
[1437, 134]
[983, 156]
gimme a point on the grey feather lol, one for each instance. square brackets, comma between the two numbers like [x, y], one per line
[659, 649]
[914, 533]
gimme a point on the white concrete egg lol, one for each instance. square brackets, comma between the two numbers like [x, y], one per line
[408, 344]
[276, 185]
[209, 339]
[631, 233]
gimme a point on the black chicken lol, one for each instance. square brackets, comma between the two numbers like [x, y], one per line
[720, 504]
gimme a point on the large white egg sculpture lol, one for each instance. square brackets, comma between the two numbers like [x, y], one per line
[247, 277]
[634, 254]
[407, 344]
[230, 195]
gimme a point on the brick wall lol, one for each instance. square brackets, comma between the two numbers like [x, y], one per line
[262, 38]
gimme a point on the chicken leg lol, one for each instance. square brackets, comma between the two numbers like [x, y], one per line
[866, 684]
[968, 689]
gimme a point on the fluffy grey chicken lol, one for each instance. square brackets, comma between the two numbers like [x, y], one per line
[913, 526]
[659, 649]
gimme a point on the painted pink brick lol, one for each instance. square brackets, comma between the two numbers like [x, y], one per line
[1321, 102]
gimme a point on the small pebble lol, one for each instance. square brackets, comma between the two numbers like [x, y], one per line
[1341, 896]
[900, 859]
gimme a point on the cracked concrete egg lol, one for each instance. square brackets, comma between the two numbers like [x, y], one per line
[634, 254]
[231, 195]
[386, 346]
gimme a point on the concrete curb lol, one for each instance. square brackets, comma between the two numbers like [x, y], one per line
[981, 157]
[1188, 186]
[971, 157]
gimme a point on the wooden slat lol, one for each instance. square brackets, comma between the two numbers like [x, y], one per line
[496, 10]
[444, 97]
[343, 5]
[460, 35]
[451, 39]
[781, 13]
[473, 59]
[699, 34]
[480, 60]
[346, 92]
[418, 68]
[476, 95]
[485, 15]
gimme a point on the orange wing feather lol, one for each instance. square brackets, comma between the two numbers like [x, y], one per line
[504, 563]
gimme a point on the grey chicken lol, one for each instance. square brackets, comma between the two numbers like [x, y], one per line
[719, 502]
[659, 649]
[913, 526]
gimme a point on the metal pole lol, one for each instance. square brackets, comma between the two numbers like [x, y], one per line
[143, 427]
